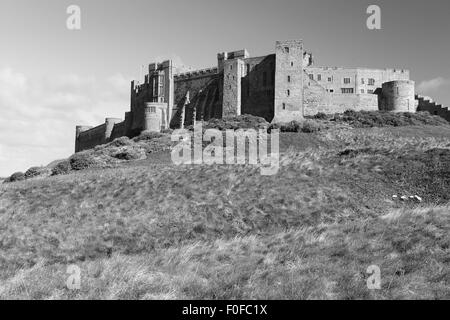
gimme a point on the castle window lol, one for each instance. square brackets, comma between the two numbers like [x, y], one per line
[153, 109]
[286, 49]
[292, 63]
[289, 79]
[284, 106]
[371, 82]
[331, 90]
[311, 76]
[288, 92]
[330, 79]
[362, 80]
[347, 80]
[362, 90]
[347, 90]
[319, 77]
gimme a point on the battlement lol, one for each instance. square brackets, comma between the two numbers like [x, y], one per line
[197, 73]
[397, 70]
[239, 54]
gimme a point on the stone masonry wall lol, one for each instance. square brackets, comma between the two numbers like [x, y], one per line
[91, 138]
[288, 80]
[258, 87]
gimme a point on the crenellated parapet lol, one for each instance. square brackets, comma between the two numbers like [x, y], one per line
[207, 72]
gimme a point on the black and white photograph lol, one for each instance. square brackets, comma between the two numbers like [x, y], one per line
[217, 157]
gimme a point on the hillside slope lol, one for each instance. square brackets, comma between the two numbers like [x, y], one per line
[149, 229]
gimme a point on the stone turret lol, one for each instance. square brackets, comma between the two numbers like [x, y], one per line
[398, 96]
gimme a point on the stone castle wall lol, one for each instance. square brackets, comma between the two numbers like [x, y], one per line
[288, 80]
[258, 87]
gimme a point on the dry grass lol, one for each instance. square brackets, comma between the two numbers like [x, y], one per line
[156, 231]
[323, 262]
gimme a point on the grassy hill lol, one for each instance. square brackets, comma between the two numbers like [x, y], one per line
[142, 228]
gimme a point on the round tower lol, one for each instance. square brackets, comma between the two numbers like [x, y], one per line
[398, 96]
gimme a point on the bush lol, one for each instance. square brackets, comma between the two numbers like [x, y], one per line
[167, 131]
[307, 126]
[120, 142]
[34, 172]
[235, 123]
[128, 154]
[364, 119]
[81, 161]
[293, 126]
[321, 116]
[148, 135]
[61, 168]
[18, 176]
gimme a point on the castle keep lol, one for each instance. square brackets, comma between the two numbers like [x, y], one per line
[279, 87]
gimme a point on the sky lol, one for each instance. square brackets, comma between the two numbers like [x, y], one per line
[53, 78]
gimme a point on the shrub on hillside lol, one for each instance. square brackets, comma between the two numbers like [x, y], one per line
[293, 126]
[18, 176]
[167, 131]
[148, 135]
[363, 119]
[321, 116]
[81, 161]
[235, 123]
[307, 126]
[128, 154]
[310, 126]
[120, 142]
[62, 167]
[34, 172]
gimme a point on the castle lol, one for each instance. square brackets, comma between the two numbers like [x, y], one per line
[279, 87]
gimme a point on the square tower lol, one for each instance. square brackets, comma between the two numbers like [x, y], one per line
[161, 85]
[288, 103]
[232, 80]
